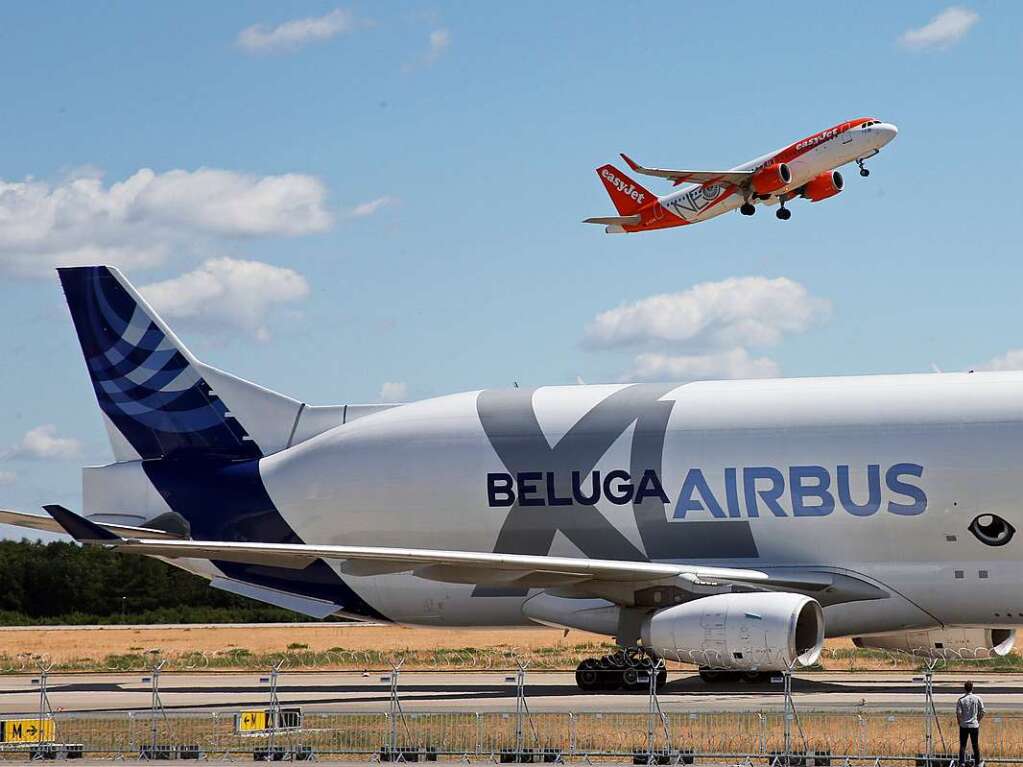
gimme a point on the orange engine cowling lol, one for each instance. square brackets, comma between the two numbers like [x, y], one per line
[771, 178]
[823, 186]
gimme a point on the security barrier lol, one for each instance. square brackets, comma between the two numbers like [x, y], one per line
[503, 658]
[757, 738]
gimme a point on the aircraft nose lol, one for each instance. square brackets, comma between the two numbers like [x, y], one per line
[888, 131]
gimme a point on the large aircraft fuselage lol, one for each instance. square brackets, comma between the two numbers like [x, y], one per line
[878, 477]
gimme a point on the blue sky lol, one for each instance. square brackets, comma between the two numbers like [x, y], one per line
[330, 198]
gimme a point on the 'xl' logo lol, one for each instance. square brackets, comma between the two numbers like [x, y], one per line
[510, 423]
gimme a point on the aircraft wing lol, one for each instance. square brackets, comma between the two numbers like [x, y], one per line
[50, 525]
[616, 580]
[440, 565]
[736, 177]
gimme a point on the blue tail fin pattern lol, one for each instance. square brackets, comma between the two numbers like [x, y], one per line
[153, 392]
[143, 378]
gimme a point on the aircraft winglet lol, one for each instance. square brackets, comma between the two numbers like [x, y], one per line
[78, 527]
[632, 163]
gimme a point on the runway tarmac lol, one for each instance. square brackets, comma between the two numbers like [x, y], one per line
[489, 691]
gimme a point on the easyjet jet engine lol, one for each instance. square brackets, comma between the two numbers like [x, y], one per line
[949, 643]
[760, 631]
[771, 178]
[823, 185]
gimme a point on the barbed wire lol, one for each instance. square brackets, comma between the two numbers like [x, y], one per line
[502, 658]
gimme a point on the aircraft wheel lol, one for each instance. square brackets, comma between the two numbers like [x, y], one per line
[662, 678]
[587, 675]
[586, 679]
[864, 172]
[747, 209]
[611, 679]
[630, 679]
[784, 214]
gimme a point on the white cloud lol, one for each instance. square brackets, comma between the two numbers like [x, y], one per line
[739, 311]
[1011, 360]
[138, 222]
[44, 442]
[943, 31]
[731, 363]
[369, 208]
[393, 391]
[227, 293]
[706, 331]
[440, 39]
[292, 35]
[7, 478]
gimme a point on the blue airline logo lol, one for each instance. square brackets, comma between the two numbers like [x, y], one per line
[751, 491]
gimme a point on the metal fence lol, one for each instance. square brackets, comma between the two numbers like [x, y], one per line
[707, 736]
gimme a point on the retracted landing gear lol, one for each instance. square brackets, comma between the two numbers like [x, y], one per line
[625, 669]
[863, 170]
[747, 208]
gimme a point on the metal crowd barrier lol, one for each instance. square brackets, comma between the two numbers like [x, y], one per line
[826, 740]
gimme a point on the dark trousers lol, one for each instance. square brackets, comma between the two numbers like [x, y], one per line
[971, 733]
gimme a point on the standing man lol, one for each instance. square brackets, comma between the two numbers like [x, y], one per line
[969, 712]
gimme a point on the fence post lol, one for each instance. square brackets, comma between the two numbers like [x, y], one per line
[789, 715]
[479, 734]
[571, 732]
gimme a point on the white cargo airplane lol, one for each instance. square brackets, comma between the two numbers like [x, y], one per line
[733, 524]
[806, 168]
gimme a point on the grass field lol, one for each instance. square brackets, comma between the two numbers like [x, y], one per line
[356, 647]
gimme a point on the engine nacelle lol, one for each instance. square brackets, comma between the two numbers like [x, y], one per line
[762, 631]
[771, 178]
[949, 643]
[823, 186]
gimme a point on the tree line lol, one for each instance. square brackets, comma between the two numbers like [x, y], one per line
[64, 583]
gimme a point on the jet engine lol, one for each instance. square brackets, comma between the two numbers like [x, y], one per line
[757, 631]
[823, 185]
[958, 643]
[771, 178]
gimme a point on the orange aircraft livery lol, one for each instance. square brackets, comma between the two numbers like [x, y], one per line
[808, 169]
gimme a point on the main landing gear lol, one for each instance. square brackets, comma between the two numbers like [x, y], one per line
[623, 670]
[863, 171]
[783, 213]
[747, 209]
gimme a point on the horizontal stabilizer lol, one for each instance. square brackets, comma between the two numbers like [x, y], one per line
[615, 220]
[50, 525]
[78, 527]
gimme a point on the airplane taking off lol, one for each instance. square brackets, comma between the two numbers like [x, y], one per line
[804, 169]
[731, 524]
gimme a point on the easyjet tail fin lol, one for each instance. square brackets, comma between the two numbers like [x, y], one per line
[627, 195]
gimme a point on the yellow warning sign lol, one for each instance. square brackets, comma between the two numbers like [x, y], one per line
[251, 721]
[26, 731]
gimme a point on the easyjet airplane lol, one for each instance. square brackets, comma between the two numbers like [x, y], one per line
[806, 168]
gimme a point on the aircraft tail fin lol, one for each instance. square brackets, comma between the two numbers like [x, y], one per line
[157, 399]
[628, 195]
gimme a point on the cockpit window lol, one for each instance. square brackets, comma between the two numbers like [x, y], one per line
[992, 530]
